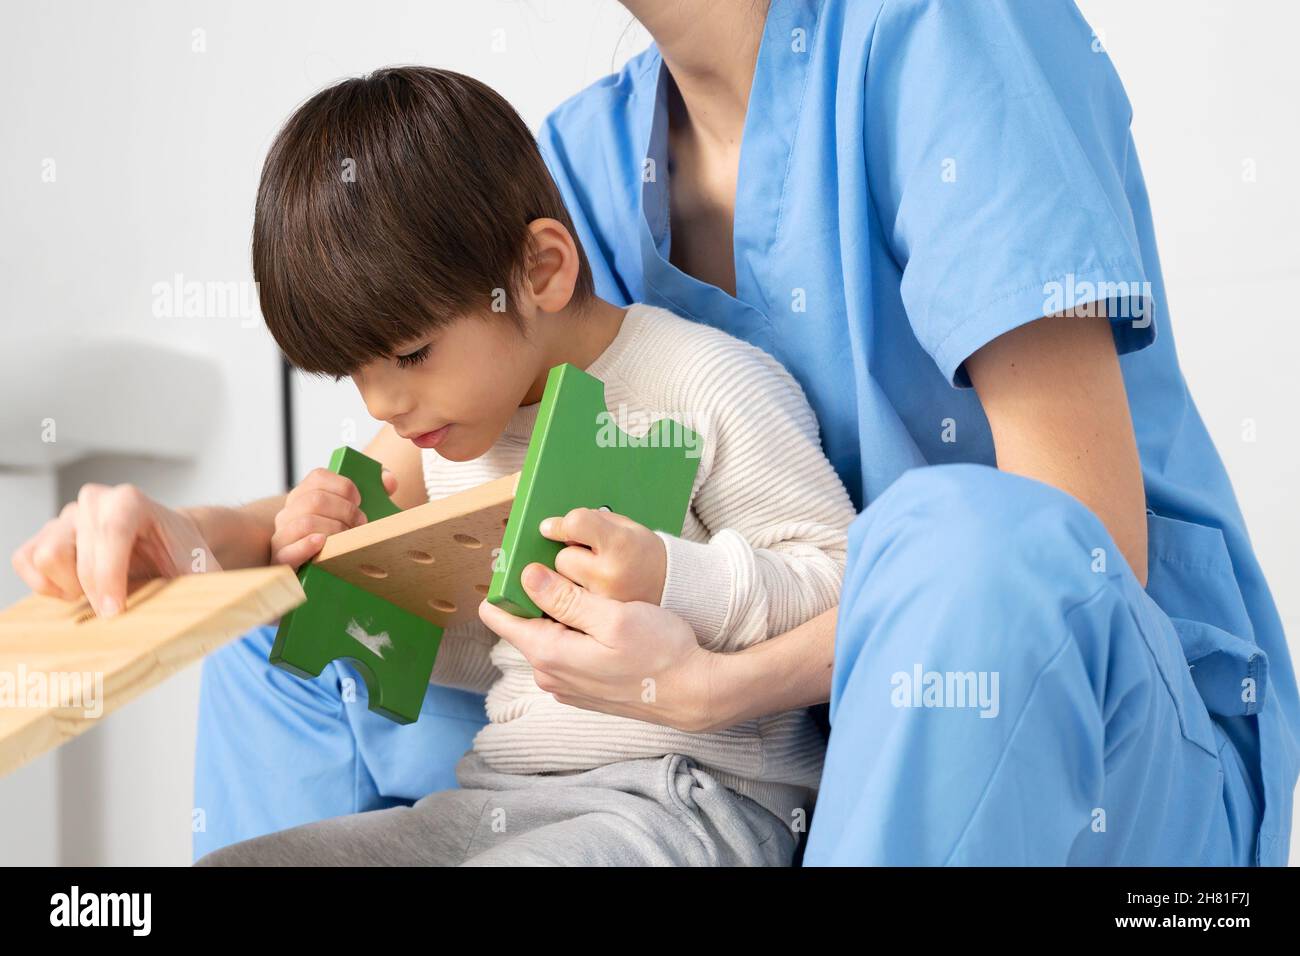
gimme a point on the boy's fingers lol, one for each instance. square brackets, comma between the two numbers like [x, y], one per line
[336, 484]
[319, 483]
[620, 521]
[390, 481]
[300, 551]
[577, 564]
[584, 525]
[298, 528]
[325, 504]
[552, 528]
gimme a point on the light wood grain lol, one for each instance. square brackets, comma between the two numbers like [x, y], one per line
[434, 560]
[60, 649]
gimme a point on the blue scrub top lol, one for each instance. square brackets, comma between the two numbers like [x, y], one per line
[917, 178]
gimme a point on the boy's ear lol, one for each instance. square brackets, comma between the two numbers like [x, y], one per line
[552, 272]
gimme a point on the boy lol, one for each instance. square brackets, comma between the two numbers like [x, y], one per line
[408, 234]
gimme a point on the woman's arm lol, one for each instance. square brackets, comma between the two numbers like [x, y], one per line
[238, 537]
[1054, 397]
[784, 673]
[646, 663]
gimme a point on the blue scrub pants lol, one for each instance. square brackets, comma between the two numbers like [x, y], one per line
[1005, 692]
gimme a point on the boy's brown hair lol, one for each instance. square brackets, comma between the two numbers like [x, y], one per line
[391, 205]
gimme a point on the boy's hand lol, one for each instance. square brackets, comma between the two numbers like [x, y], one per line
[323, 504]
[609, 554]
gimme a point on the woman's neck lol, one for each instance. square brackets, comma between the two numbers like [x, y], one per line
[710, 50]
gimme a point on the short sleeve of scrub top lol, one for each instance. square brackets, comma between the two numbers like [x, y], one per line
[997, 145]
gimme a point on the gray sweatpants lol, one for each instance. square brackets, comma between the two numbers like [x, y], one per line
[660, 811]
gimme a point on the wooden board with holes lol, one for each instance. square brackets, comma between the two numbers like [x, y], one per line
[62, 669]
[433, 560]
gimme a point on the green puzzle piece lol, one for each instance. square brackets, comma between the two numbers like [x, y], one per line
[578, 457]
[390, 647]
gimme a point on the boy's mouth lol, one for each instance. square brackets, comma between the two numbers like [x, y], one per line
[431, 439]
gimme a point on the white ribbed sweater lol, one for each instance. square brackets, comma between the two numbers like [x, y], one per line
[762, 551]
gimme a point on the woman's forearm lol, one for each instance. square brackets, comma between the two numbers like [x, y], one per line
[594, 652]
[239, 537]
[789, 671]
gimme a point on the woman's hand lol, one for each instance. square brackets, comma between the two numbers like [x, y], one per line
[609, 554]
[105, 538]
[632, 659]
[322, 504]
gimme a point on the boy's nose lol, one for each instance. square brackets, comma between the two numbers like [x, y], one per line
[386, 405]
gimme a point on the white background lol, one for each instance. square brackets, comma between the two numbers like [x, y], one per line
[157, 152]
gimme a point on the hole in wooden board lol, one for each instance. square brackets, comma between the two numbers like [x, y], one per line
[439, 604]
[84, 616]
[468, 540]
[481, 588]
[373, 571]
[420, 557]
[505, 522]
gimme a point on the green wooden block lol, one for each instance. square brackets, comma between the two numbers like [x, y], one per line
[392, 649]
[580, 458]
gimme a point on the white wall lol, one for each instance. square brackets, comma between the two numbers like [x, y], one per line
[158, 149]
[1213, 85]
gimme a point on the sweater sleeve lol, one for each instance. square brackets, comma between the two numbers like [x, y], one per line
[775, 509]
[464, 661]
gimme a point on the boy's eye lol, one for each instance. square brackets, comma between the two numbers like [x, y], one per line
[413, 358]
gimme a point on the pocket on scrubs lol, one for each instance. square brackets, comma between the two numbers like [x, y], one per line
[1220, 670]
[1230, 674]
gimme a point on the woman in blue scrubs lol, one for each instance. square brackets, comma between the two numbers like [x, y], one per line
[1055, 644]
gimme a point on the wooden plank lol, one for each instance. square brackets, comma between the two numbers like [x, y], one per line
[434, 560]
[62, 668]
